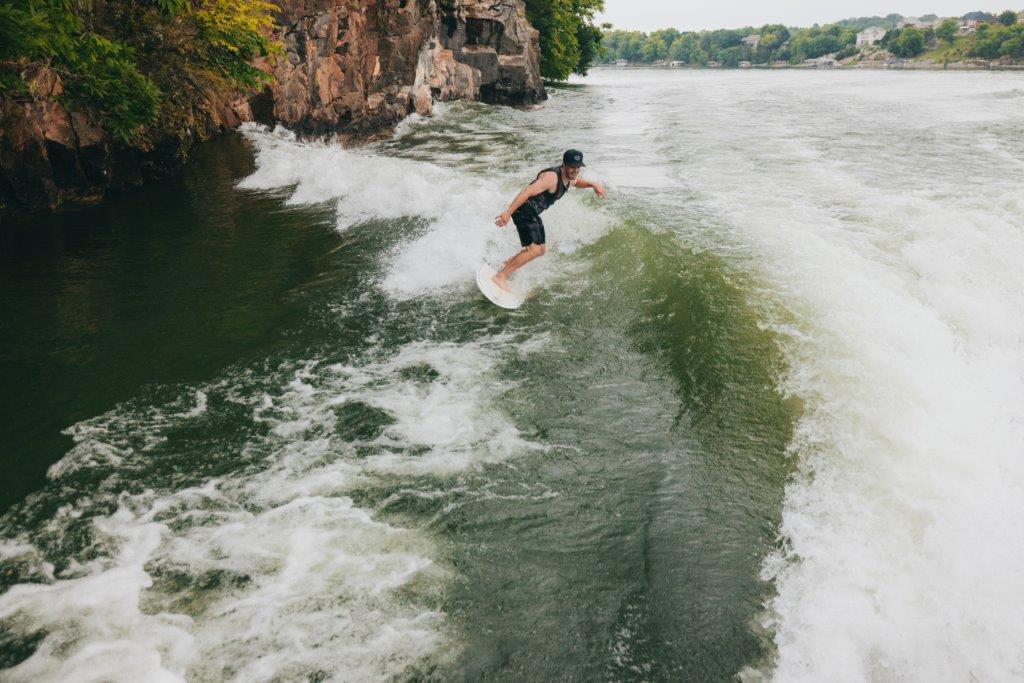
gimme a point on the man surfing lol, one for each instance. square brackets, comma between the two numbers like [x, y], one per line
[547, 188]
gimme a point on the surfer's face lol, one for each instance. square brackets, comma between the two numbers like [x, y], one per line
[571, 172]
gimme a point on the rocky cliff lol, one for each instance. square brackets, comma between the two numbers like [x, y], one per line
[355, 67]
[352, 68]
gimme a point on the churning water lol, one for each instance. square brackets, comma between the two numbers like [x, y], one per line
[760, 416]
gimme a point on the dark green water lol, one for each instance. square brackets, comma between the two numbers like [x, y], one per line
[165, 286]
[279, 468]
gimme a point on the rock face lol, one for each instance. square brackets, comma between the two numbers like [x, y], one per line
[352, 68]
[51, 156]
[493, 39]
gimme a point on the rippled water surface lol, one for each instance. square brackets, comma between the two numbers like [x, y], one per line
[759, 415]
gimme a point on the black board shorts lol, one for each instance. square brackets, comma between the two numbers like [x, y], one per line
[530, 228]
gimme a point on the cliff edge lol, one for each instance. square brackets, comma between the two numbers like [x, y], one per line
[353, 68]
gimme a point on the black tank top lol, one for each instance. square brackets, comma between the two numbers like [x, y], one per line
[544, 200]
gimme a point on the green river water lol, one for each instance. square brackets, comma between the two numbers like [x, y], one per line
[258, 423]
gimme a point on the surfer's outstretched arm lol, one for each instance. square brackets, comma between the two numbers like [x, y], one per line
[598, 187]
[546, 182]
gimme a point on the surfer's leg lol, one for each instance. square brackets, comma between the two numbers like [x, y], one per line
[531, 236]
[525, 255]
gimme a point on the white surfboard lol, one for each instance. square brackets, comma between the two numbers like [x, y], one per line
[496, 294]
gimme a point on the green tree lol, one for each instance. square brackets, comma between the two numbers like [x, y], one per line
[610, 45]
[636, 46]
[814, 43]
[988, 43]
[1008, 18]
[95, 71]
[117, 58]
[1013, 45]
[679, 50]
[569, 40]
[654, 49]
[588, 37]
[667, 35]
[686, 48]
[946, 31]
[732, 56]
[909, 43]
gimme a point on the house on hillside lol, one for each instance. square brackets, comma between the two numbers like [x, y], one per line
[870, 35]
[713, 65]
[621, 62]
[982, 17]
[744, 65]
[752, 40]
[969, 22]
[677, 62]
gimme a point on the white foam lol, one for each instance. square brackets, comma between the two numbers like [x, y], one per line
[451, 423]
[459, 207]
[94, 625]
[902, 525]
[903, 266]
[269, 573]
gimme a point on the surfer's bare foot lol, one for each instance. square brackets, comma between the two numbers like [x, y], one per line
[501, 281]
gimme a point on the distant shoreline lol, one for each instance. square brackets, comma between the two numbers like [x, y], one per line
[860, 66]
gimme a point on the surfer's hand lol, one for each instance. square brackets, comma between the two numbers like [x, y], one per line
[502, 220]
[600, 191]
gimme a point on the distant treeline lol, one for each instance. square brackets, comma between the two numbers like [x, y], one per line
[775, 42]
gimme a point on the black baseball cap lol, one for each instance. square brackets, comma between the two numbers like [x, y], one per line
[573, 157]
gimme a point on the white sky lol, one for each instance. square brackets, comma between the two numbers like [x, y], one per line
[650, 15]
